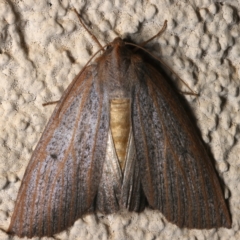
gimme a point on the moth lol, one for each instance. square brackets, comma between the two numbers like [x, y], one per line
[118, 138]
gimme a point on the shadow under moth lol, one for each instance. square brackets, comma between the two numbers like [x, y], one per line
[119, 138]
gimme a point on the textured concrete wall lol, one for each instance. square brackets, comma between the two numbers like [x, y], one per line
[42, 48]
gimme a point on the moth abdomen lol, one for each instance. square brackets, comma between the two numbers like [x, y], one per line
[120, 125]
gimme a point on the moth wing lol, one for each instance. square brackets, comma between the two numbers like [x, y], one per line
[62, 177]
[118, 190]
[176, 172]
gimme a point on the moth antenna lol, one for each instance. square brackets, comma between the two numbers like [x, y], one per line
[158, 34]
[92, 36]
[165, 65]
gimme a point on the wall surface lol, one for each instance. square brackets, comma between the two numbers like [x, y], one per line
[42, 48]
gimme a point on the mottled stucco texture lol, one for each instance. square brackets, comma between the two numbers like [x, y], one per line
[42, 48]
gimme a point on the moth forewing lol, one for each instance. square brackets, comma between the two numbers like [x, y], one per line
[131, 189]
[116, 186]
[111, 168]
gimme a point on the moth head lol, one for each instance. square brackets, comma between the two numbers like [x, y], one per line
[116, 43]
[119, 44]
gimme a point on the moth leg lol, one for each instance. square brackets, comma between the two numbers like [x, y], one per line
[50, 103]
[190, 93]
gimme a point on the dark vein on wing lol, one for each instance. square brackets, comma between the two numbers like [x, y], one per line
[94, 146]
[51, 126]
[62, 218]
[59, 169]
[32, 206]
[39, 151]
[185, 178]
[159, 163]
[146, 152]
[178, 163]
[79, 169]
[192, 190]
[165, 140]
[74, 186]
[43, 199]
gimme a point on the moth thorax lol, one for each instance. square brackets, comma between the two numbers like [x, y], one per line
[120, 123]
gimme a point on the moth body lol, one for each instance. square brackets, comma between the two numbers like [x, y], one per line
[118, 138]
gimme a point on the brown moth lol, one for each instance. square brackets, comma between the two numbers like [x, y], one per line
[118, 138]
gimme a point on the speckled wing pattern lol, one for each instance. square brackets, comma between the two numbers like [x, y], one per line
[176, 172]
[62, 177]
